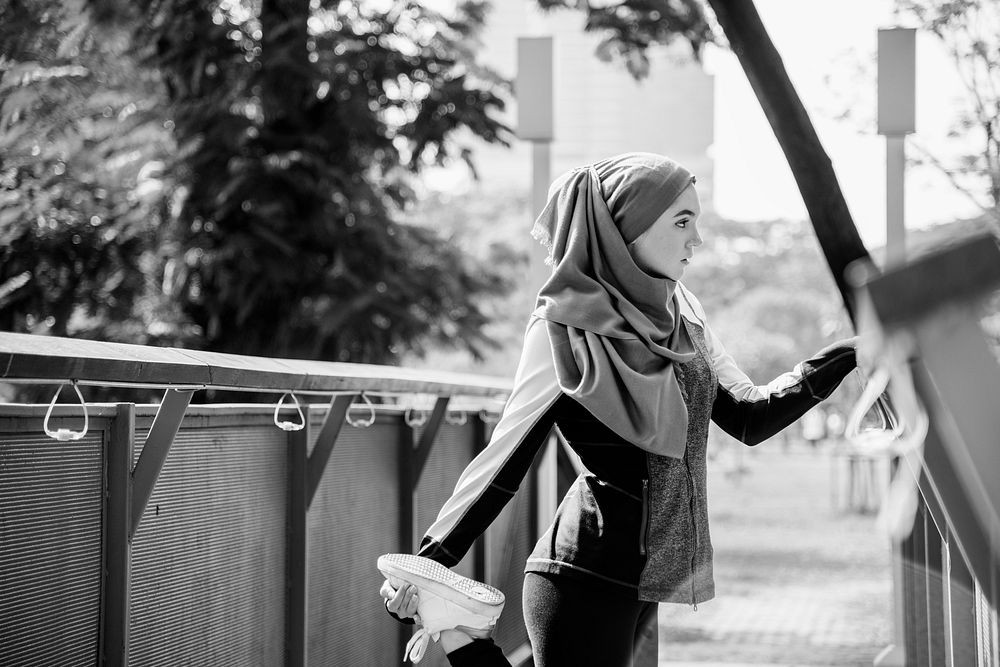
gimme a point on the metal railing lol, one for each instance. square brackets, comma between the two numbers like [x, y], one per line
[948, 566]
[227, 534]
[223, 534]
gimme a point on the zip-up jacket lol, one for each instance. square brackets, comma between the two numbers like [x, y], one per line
[632, 519]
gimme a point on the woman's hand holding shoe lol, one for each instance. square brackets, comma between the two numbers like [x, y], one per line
[402, 601]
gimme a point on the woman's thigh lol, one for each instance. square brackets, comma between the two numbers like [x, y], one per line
[573, 624]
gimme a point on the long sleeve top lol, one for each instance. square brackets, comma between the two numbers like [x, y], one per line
[633, 519]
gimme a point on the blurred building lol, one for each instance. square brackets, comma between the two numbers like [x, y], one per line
[600, 109]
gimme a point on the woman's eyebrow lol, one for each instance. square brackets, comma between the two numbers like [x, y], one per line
[684, 212]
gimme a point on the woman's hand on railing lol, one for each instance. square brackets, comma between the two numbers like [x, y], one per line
[402, 601]
[866, 350]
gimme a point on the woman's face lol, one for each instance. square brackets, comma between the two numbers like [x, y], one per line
[666, 248]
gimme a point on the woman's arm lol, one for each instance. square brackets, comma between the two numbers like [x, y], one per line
[492, 478]
[753, 413]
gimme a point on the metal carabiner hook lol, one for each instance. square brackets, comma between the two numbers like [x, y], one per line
[65, 434]
[412, 421]
[459, 420]
[489, 417]
[362, 423]
[287, 425]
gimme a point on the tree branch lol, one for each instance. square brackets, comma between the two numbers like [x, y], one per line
[950, 175]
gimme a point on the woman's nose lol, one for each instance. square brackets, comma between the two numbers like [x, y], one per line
[695, 240]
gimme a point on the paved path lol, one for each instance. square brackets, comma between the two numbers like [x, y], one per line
[797, 582]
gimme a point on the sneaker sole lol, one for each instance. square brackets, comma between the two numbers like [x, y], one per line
[427, 574]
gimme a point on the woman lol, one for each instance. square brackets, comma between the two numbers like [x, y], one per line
[618, 356]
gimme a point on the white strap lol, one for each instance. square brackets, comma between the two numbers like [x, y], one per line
[65, 434]
[417, 645]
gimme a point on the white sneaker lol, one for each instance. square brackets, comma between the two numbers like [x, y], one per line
[445, 601]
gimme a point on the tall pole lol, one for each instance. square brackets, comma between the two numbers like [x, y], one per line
[896, 119]
[895, 200]
[541, 175]
[535, 123]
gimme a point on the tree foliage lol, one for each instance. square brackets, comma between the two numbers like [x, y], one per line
[80, 138]
[970, 31]
[628, 28]
[766, 292]
[234, 173]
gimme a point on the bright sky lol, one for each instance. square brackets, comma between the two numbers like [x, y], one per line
[822, 43]
[829, 50]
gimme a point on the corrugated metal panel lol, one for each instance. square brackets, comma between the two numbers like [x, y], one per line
[354, 518]
[986, 631]
[208, 557]
[51, 503]
[451, 452]
[995, 635]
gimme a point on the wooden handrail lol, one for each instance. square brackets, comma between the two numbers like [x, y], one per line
[963, 273]
[936, 301]
[34, 358]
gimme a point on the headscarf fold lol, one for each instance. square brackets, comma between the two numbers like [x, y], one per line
[615, 329]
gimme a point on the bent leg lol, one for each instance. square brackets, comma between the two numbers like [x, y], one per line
[478, 653]
[573, 623]
[645, 648]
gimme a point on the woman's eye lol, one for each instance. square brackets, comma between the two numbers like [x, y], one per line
[681, 223]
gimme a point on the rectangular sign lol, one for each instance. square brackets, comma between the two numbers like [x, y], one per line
[534, 89]
[897, 74]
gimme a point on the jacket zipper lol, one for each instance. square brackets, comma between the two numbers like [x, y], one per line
[645, 517]
[694, 526]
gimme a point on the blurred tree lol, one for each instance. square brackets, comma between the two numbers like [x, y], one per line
[488, 225]
[970, 31]
[766, 292]
[769, 326]
[242, 167]
[630, 27]
[80, 145]
[299, 125]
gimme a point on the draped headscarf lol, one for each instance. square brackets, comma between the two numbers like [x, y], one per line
[615, 329]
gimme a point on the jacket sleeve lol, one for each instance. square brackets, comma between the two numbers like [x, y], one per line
[493, 477]
[753, 413]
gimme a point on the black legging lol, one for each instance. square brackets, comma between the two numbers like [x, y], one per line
[570, 623]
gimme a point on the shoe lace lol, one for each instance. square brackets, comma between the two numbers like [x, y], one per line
[417, 645]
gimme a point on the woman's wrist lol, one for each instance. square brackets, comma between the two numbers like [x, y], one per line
[405, 621]
[452, 640]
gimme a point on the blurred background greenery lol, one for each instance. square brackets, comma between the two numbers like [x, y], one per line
[189, 173]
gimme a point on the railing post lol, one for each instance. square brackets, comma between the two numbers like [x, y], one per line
[296, 560]
[117, 548]
[479, 441]
[960, 607]
[426, 443]
[407, 465]
[154, 450]
[894, 655]
[915, 593]
[934, 591]
[325, 441]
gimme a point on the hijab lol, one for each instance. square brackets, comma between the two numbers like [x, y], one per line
[615, 330]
